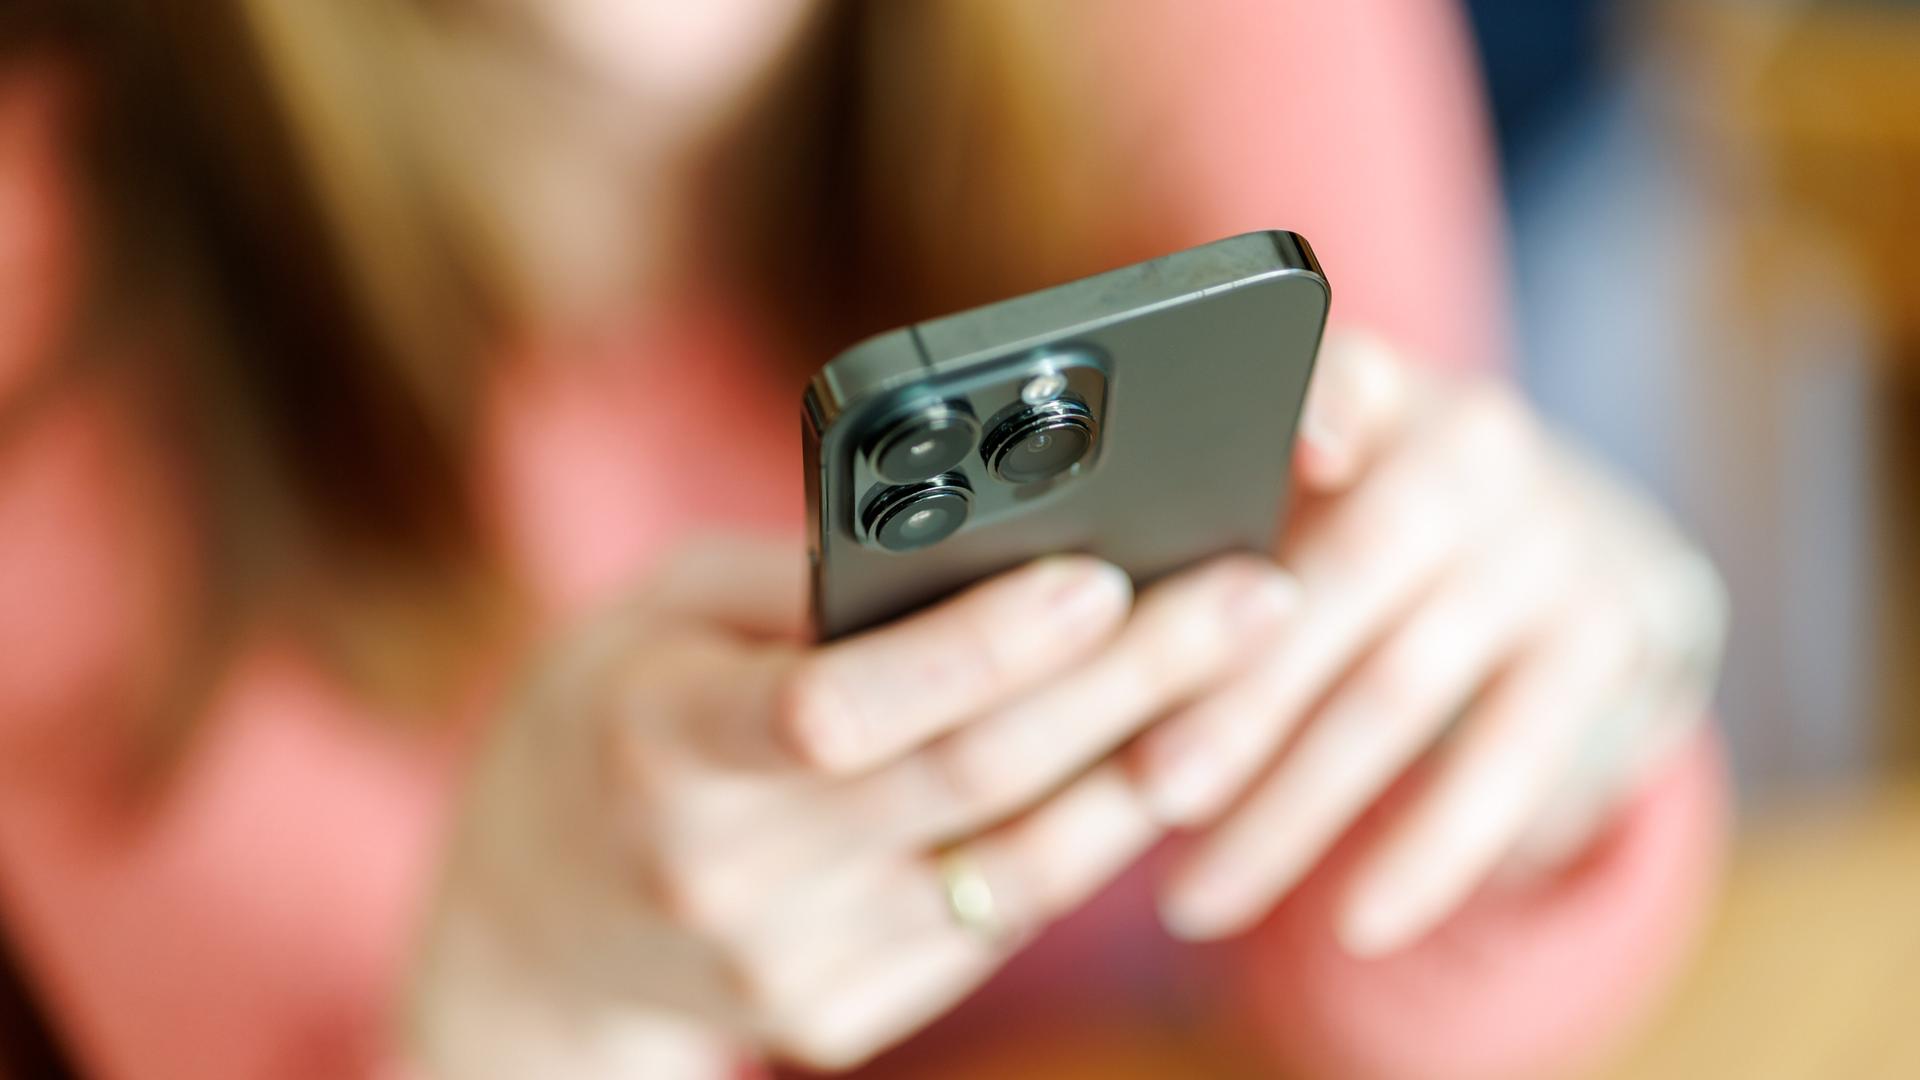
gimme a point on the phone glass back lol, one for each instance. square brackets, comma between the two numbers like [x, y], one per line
[1191, 368]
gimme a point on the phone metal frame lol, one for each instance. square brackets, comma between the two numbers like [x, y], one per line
[1226, 335]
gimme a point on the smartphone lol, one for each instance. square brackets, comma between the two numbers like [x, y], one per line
[1145, 415]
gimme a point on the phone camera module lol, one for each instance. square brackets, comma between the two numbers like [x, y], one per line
[1040, 442]
[909, 517]
[923, 444]
[1043, 388]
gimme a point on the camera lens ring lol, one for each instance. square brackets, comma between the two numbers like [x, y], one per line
[908, 517]
[1040, 442]
[924, 443]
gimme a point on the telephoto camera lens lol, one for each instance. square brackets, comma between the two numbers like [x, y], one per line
[1040, 442]
[923, 444]
[912, 516]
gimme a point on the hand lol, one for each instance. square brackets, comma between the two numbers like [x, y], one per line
[694, 831]
[1475, 595]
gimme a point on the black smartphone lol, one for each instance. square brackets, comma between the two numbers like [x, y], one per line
[1145, 415]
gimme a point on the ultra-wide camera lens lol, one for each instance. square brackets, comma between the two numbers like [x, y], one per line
[1041, 442]
[913, 516]
[924, 444]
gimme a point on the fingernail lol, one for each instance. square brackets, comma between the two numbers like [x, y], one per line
[1268, 597]
[1326, 421]
[1094, 592]
[1182, 789]
[1375, 922]
[825, 732]
[1320, 426]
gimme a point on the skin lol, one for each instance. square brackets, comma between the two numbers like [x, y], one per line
[705, 833]
[693, 832]
[693, 814]
[1475, 593]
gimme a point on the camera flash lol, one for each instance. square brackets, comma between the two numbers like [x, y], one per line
[1043, 387]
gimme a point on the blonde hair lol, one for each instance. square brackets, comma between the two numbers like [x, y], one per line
[903, 159]
[318, 180]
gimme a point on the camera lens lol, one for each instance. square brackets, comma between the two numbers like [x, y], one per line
[1041, 442]
[913, 516]
[924, 444]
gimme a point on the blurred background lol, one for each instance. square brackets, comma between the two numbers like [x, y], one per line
[1715, 229]
[1714, 220]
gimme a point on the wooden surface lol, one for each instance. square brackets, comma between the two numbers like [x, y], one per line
[1812, 969]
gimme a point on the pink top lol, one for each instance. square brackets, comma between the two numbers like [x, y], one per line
[253, 917]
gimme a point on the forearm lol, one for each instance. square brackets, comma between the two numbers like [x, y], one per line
[1530, 978]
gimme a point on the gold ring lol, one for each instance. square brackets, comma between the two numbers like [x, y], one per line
[969, 895]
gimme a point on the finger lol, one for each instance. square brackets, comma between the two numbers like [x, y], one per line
[1513, 747]
[1189, 631]
[1359, 399]
[636, 671]
[1679, 606]
[756, 585]
[1636, 739]
[850, 705]
[884, 1002]
[1360, 565]
[899, 959]
[1037, 868]
[1391, 707]
[1055, 858]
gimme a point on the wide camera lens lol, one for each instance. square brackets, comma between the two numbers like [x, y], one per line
[913, 516]
[1041, 442]
[923, 444]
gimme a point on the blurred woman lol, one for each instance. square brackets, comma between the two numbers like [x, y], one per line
[366, 370]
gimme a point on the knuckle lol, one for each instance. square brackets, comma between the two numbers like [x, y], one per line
[757, 983]
[1181, 632]
[969, 657]
[682, 890]
[1359, 532]
[638, 766]
[1155, 657]
[808, 708]
[978, 781]
[1404, 679]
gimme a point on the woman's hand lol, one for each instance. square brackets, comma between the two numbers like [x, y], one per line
[695, 835]
[1474, 594]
